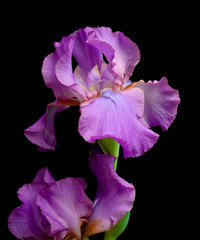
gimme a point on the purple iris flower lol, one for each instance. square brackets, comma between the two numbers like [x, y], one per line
[110, 104]
[61, 210]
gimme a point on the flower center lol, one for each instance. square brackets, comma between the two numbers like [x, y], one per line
[106, 92]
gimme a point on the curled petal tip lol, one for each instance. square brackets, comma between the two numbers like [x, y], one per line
[161, 103]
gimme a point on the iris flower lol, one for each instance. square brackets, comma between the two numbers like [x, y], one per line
[111, 105]
[61, 210]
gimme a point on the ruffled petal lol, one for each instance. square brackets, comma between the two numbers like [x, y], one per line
[114, 197]
[161, 103]
[42, 132]
[26, 221]
[63, 46]
[119, 116]
[121, 52]
[43, 176]
[66, 206]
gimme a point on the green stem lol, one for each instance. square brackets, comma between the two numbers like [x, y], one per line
[118, 229]
[110, 146]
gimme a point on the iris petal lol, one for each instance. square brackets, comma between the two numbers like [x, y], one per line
[119, 116]
[26, 221]
[121, 52]
[114, 197]
[64, 71]
[86, 55]
[66, 206]
[161, 103]
[48, 71]
[43, 176]
[42, 132]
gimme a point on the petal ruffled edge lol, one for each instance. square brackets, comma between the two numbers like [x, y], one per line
[122, 53]
[114, 197]
[160, 103]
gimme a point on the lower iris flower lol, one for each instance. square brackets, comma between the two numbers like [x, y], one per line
[111, 105]
[61, 210]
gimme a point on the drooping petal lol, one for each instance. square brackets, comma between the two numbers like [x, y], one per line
[114, 197]
[66, 206]
[161, 103]
[26, 221]
[121, 52]
[119, 116]
[42, 132]
[43, 176]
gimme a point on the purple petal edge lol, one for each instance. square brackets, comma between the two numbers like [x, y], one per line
[161, 103]
[114, 197]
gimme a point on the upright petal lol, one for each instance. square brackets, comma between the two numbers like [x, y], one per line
[48, 71]
[121, 52]
[99, 80]
[66, 206]
[63, 46]
[64, 71]
[86, 55]
[161, 103]
[42, 132]
[114, 197]
[43, 176]
[119, 116]
[26, 221]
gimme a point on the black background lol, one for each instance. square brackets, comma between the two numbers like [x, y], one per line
[160, 176]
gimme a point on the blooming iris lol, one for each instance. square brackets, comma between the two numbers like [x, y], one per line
[61, 210]
[110, 105]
